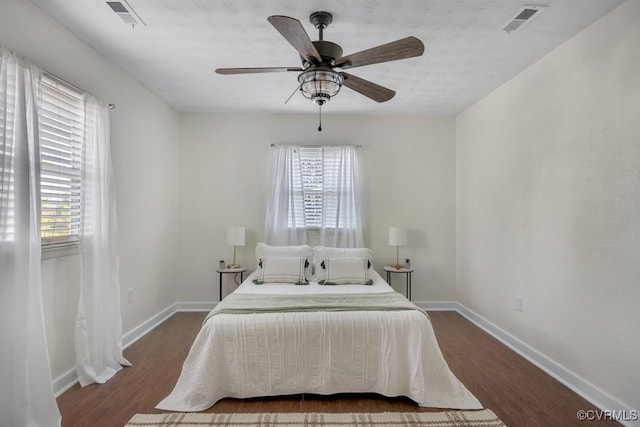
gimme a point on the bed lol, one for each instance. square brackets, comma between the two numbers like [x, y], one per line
[271, 338]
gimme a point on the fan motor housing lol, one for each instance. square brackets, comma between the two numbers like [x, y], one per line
[328, 51]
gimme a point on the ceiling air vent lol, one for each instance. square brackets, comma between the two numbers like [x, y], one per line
[124, 10]
[521, 17]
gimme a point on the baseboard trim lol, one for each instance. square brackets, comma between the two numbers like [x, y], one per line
[437, 305]
[195, 306]
[64, 382]
[147, 326]
[579, 385]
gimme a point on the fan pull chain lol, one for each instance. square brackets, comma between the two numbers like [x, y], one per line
[320, 119]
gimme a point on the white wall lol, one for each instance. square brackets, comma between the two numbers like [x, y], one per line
[410, 171]
[548, 205]
[144, 138]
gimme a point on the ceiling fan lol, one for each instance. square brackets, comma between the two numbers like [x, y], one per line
[321, 75]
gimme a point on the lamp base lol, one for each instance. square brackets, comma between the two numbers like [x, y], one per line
[397, 266]
[233, 266]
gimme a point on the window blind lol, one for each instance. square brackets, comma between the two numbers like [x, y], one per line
[321, 179]
[311, 165]
[61, 132]
[338, 187]
[7, 179]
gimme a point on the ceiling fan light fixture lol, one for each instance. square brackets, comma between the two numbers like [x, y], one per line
[320, 84]
[318, 81]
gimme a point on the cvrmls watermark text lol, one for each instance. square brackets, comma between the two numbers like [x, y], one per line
[607, 415]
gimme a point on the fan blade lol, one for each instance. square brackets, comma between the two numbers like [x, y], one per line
[293, 31]
[256, 70]
[399, 49]
[365, 87]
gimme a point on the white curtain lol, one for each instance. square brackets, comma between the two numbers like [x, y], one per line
[98, 332]
[26, 392]
[282, 226]
[341, 212]
[287, 223]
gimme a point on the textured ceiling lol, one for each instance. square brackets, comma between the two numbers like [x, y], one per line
[467, 55]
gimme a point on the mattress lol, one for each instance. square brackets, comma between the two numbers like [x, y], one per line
[392, 353]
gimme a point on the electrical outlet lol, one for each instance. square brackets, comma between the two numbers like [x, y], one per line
[518, 303]
[130, 295]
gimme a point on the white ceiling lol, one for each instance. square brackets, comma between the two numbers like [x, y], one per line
[466, 57]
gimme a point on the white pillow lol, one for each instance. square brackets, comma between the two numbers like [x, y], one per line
[322, 252]
[281, 270]
[346, 271]
[264, 250]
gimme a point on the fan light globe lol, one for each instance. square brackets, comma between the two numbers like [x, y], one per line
[319, 85]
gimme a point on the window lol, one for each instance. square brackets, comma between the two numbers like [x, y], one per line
[325, 186]
[61, 133]
[314, 197]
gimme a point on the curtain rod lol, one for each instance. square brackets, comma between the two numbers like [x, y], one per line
[70, 85]
[272, 145]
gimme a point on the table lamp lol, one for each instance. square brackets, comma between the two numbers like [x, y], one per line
[235, 238]
[397, 238]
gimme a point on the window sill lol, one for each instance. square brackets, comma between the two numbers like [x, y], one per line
[50, 253]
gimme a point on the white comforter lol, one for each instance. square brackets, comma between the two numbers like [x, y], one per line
[393, 353]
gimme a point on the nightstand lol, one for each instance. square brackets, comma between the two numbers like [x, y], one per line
[222, 271]
[406, 271]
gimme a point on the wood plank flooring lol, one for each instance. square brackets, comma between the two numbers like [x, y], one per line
[518, 392]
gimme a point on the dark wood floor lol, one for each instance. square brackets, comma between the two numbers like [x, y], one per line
[518, 392]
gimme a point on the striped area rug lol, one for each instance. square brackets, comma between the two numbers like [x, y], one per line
[484, 418]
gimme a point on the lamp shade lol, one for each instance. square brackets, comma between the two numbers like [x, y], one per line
[397, 236]
[235, 236]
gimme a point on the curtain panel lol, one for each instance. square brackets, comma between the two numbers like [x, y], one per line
[98, 332]
[282, 226]
[341, 201]
[26, 391]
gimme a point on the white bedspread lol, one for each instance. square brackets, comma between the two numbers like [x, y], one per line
[393, 353]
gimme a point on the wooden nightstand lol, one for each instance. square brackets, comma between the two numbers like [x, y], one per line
[406, 271]
[221, 271]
